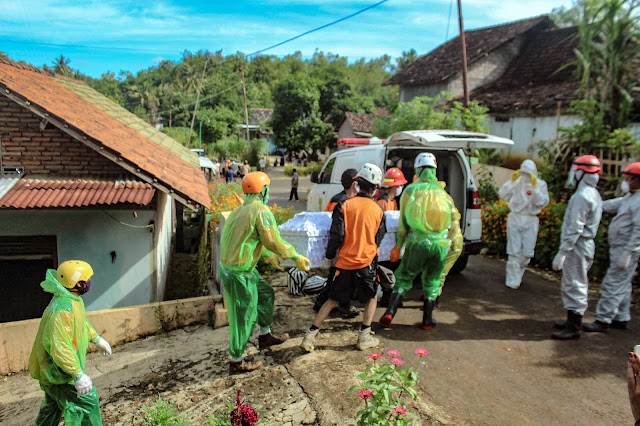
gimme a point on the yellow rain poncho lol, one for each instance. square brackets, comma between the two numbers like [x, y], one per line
[58, 358]
[250, 233]
[426, 215]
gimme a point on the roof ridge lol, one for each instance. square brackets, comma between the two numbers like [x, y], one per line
[23, 66]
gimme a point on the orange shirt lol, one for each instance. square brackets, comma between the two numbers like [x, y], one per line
[357, 230]
[387, 204]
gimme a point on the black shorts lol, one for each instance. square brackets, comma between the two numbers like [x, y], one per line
[357, 284]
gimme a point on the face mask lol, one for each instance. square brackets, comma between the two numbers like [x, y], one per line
[624, 186]
[398, 191]
[83, 289]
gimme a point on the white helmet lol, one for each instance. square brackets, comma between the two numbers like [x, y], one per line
[425, 159]
[371, 173]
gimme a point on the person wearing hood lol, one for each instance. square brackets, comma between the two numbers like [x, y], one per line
[251, 233]
[59, 352]
[527, 195]
[614, 307]
[577, 248]
[426, 216]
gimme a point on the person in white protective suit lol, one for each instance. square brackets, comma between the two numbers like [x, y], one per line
[575, 256]
[527, 195]
[613, 309]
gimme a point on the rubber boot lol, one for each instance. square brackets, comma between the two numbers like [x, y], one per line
[596, 327]
[572, 329]
[427, 315]
[395, 300]
[620, 325]
[559, 325]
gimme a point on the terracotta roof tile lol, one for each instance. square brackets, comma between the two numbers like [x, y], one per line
[446, 60]
[42, 193]
[104, 121]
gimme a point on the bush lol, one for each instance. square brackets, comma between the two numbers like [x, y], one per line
[163, 413]
[282, 214]
[303, 171]
[224, 198]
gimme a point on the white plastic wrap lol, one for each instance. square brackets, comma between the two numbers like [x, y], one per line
[308, 232]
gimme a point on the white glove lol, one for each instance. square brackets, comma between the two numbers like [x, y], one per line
[624, 261]
[103, 346]
[558, 261]
[83, 385]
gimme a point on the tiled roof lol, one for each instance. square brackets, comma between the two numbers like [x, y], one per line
[364, 122]
[446, 59]
[104, 122]
[539, 78]
[35, 193]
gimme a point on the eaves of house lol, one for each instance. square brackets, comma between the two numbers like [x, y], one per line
[112, 131]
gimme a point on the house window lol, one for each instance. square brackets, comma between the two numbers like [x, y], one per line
[23, 265]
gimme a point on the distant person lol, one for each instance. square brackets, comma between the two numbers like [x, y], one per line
[294, 185]
[263, 164]
[527, 195]
[282, 160]
[59, 354]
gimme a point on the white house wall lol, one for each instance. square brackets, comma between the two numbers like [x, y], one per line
[91, 235]
[526, 131]
[163, 232]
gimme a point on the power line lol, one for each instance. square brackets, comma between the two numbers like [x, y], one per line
[82, 46]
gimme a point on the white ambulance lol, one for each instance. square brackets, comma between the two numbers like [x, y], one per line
[451, 148]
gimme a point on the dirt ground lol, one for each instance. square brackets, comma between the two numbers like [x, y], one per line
[491, 362]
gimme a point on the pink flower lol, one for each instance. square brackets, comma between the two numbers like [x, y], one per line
[393, 353]
[365, 394]
[422, 352]
[399, 410]
[396, 361]
[375, 356]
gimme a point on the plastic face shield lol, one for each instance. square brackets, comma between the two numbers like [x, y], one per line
[574, 177]
[265, 194]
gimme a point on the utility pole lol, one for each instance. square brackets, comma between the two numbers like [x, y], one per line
[244, 94]
[463, 45]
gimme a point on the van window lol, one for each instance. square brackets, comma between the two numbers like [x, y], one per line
[325, 176]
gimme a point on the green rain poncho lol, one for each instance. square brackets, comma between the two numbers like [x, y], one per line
[426, 215]
[249, 233]
[60, 349]
[58, 357]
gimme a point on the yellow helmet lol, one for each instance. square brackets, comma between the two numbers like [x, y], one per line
[254, 182]
[70, 272]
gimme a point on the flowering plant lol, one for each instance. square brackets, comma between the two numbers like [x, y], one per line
[384, 386]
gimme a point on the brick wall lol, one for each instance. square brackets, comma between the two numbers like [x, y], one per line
[49, 151]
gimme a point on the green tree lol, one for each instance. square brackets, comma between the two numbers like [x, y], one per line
[432, 113]
[296, 121]
[407, 58]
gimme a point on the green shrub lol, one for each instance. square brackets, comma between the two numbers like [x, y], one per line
[163, 413]
[303, 171]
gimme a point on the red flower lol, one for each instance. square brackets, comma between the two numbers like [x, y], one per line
[375, 356]
[396, 361]
[365, 394]
[422, 352]
[399, 410]
[393, 353]
[243, 414]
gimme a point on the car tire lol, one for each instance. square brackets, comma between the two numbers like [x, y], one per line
[460, 265]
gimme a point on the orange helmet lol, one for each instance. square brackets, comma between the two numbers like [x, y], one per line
[254, 182]
[632, 169]
[588, 164]
[393, 177]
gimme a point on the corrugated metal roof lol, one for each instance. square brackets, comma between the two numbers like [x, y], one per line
[6, 183]
[36, 193]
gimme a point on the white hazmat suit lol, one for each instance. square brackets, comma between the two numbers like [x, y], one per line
[579, 228]
[527, 195]
[624, 251]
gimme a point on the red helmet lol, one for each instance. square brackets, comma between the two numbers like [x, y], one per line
[393, 177]
[632, 169]
[588, 164]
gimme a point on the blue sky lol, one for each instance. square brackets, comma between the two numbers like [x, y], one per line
[115, 35]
